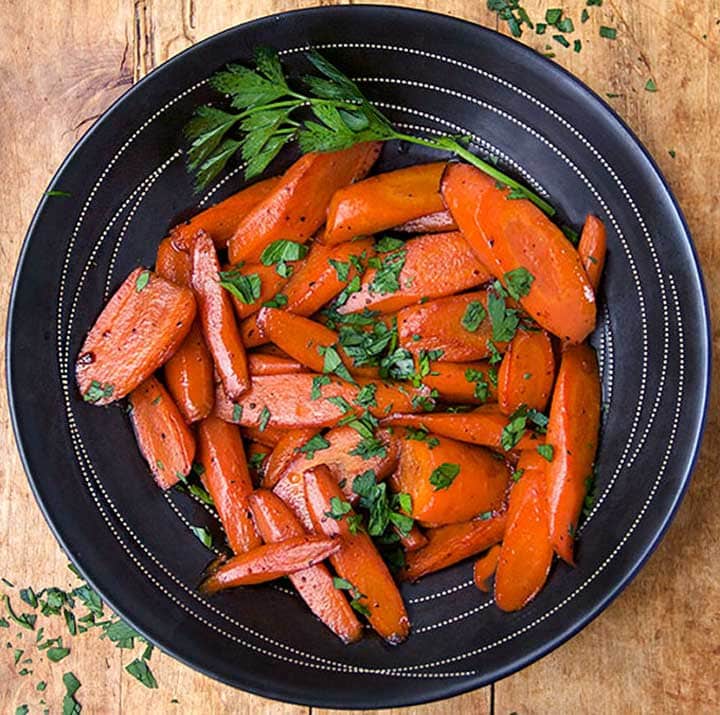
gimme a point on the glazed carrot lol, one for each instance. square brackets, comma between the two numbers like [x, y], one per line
[264, 364]
[439, 323]
[384, 201]
[162, 435]
[573, 435]
[449, 481]
[297, 205]
[508, 234]
[448, 545]
[485, 567]
[464, 382]
[483, 426]
[221, 221]
[173, 264]
[275, 523]
[227, 478]
[141, 326]
[434, 265]
[189, 377]
[257, 457]
[357, 561]
[592, 249]
[218, 322]
[526, 553]
[437, 222]
[270, 561]
[527, 372]
[413, 540]
[285, 452]
[270, 284]
[291, 489]
[269, 436]
[251, 334]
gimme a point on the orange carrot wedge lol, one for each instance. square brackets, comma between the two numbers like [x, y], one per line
[573, 435]
[526, 553]
[464, 382]
[433, 266]
[482, 426]
[162, 435]
[270, 284]
[264, 364]
[484, 569]
[291, 489]
[384, 201]
[270, 562]
[257, 457]
[189, 377]
[221, 221]
[592, 249]
[439, 323]
[275, 523]
[227, 478]
[218, 321]
[285, 452]
[437, 222]
[509, 234]
[172, 264]
[141, 326]
[297, 206]
[451, 544]
[527, 372]
[358, 561]
[449, 481]
[269, 436]
[413, 540]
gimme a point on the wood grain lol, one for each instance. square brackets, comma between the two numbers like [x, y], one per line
[657, 648]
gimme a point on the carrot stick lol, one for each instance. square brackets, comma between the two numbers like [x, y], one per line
[275, 523]
[449, 481]
[264, 364]
[526, 553]
[269, 436]
[463, 382]
[227, 478]
[358, 561]
[413, 540]
[435, 265]
[141, 326]
[291, 489]
[485, 567]
[527, 372]
[221, 221]
[173, 264]
[270, 562]
[508, 234]
[296, 207]
[162, 435]
[437, 222]
[384, 201]
[257, 457]
[573, 435]
[218, 322]
[285, 452]
[448, 545]
[592, 249]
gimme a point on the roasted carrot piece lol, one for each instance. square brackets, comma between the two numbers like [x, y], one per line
[413, 540]
[485, 567]
[449, 481]
[573, 435]
[483, 426]
[271, 283]
[433, 266]
[173, 264]
[357, 561]
[265, 364]
[251, 333]
[275, 523]
[526, 553]
[285, 452]
[291, 489]
[222, 219]
[189, 377]
[384, 201]
[162, 435]
[592, 249]
[218, 322]
[439, 323]
[269, 436]
[464, 382]
[448, 545]
[297, 205]
[271, 561]
[257, 457]
[508, 234]
[437, 222]
[141, 326]
[227, 478]
[527, 372]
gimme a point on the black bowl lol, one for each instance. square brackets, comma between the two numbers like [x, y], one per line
[127, 185]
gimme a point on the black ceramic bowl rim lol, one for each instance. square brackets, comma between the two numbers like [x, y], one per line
[427, 692]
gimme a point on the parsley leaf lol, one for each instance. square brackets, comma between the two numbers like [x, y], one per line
[140, 670]
[504, 320]
[142, 280]
[387, 277]
[518, 282]
[317, 383]
[338, 509]
[333, 363]
[387, 244]
[98, 391]
[283, 250]
[481, 391]
[203, 534]
[246, 288]
[546, 451]
[314, 444]
[444, 475]
[474, 315]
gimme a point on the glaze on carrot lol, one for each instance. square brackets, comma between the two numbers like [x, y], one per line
[172, 263]
[261, 363]
[284, 453]
[484, 569]
[592, 249]
[438, 222]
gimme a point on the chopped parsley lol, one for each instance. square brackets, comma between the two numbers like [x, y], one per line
[318, 382]
[338, 509]
[387, 244]
[650, 85]
[264, 418]
[314, 444]
[421, 434]
[142, 280]
[283, 250]
[511, 12]
[246, 288]
[383, 510]
[237, 413]
[518, 282]
[203, 535]
[342, 584]
[342, 269]
[517, 474]
[546, 451]
[333, 363]
[481, 391]
[609, 33]
[444, 475]
[474, 315]
[504, 320]
[279, 300]
[140, 670]
[366, 396]
[98, 391]
[517, 424]
[387, 276]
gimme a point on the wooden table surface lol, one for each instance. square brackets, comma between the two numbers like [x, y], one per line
[657, 648]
